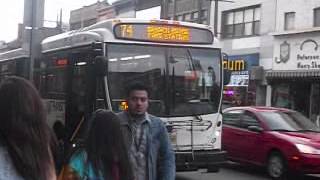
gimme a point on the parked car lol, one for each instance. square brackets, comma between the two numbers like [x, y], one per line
[282, 140]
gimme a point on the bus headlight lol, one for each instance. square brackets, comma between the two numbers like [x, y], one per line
[217, 133]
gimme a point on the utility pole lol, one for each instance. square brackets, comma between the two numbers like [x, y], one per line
[31, 42]
[199, 11]
[32, 21]
[174, 10]
[164, 9]
[216, 14]
[215, 20]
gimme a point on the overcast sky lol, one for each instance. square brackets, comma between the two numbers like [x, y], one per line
[11, 13]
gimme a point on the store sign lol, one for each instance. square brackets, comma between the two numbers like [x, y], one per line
[241, 62]
[240, 78]
[284, 52]
[308, 55]
[240, 66]
[236, 65]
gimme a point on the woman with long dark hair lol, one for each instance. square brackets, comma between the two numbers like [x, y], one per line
[25, 137]
[104, 156]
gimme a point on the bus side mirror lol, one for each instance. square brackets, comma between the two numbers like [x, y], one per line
[226, 77]
[226, 72]
[101, 65]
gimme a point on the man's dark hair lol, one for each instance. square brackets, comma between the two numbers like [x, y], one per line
[136, 87]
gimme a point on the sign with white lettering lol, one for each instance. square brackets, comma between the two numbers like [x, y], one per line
[240, 78]
[55, 110]
[308, 55]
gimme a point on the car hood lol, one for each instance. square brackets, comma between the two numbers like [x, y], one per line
[300, 137]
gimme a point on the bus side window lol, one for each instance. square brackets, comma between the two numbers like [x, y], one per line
[50, 80]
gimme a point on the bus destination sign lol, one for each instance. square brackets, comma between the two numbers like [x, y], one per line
[168, 33]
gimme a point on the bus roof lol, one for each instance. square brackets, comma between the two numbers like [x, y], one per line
[14, 54]
[104, 32]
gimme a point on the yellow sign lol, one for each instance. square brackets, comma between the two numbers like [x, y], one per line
[168, 33]
[236, 65]
[126, 30]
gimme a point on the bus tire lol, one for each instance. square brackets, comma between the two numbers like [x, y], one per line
[213, 169]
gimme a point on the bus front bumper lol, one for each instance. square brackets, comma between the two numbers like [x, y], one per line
[186, 160]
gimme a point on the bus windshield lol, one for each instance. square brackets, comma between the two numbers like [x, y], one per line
[183, 81]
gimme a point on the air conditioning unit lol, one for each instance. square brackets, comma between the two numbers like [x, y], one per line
[256, 73]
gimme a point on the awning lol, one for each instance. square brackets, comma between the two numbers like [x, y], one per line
[298, 74]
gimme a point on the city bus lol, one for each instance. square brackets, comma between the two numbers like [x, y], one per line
[86, 69]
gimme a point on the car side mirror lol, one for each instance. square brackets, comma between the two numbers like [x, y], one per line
[255, 129]
[101, 65]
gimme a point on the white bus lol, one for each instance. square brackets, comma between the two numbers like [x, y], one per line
[82, 70]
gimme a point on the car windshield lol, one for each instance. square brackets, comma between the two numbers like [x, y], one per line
[183, 81]
[288, 121]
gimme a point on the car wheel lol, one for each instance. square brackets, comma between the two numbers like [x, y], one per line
[276, 166]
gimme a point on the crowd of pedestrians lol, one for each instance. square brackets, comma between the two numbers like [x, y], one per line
[130, 145]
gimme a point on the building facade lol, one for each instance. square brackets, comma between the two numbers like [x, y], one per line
[294, 78]
[285, 38]
[89, 15]
[99, 11]
[197, 11]
[244, 28]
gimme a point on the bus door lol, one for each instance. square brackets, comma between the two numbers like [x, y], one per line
[81, 90]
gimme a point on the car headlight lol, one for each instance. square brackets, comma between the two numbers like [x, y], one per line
[306, 149]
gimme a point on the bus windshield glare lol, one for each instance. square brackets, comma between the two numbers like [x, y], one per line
[183, 81]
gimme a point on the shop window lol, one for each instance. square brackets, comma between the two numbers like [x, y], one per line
[315, 102]
[289, 19]
[204, 13]
[241, 22]
[316, 16]
[195, 15]
[187, 17]
[204, 21]
[281, 96]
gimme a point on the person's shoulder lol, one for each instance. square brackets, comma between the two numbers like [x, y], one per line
[77, 159]
[155, 120]
[119, 114]
[7, 169]
[123, 117]
[3, 151]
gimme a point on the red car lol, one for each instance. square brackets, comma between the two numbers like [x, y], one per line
[281, 140]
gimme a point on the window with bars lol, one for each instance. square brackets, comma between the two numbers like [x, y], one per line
[241, 22]
[316, 17]
[289, 18]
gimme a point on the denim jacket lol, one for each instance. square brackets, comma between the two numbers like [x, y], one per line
[161, 158]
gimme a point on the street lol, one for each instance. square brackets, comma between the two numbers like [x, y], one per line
[232, 172]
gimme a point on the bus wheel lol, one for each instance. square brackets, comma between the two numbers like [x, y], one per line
[213, 169]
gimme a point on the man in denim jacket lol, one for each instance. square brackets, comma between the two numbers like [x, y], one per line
[146, 136]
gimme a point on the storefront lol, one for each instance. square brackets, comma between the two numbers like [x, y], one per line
[295, 75]
[241, 90]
